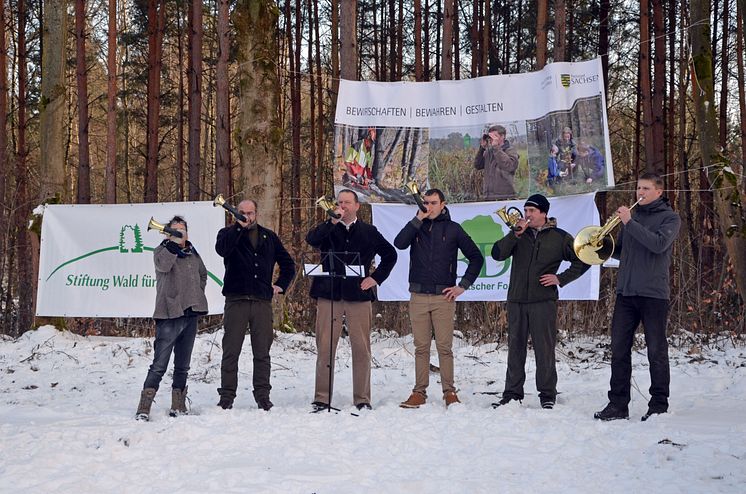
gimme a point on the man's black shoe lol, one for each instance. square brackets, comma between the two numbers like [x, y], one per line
[504, 401]
[265, 404]
[547, 404]
[611, 412]
[366, 406]
[649, 414]
[319, 405]
[225, 403]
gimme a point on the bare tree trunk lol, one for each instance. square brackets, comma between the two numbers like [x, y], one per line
[222, 102]
[195, 99]
[741, 92]
[335, 53]
[456, 44]
[313, 158]
[52, 106]
[426, 42]
[659, 90]
[84, 156]
[180, 111]
[724, 70]
[392, 39]
[4, 163]
[729, 198]
[486, 37]
[418, 72]
[320, 99]
[399, 41]
[603, 41]
[473, 38]
[348, 30]
[156, 20]
[259, 132]
[446, 71]
[111, 109]
[646, 85]
[541, 33]
[24, 278]
[560, 31]
[294, 47]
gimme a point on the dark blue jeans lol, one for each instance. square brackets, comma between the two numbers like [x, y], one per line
[629, 312]
[177, 336]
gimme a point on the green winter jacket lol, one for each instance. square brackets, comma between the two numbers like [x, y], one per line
[537, 252]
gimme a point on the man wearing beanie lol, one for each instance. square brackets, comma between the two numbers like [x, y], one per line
[538, 248]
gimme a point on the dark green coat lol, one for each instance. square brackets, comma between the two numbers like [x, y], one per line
[536, 255]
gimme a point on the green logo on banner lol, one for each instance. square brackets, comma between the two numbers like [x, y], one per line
[485, 232]
[130, 241]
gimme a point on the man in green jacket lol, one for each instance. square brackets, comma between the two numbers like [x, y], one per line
[538, 248]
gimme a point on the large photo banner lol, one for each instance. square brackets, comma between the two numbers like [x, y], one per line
[489, 138]
[481, 223]
[97, 260]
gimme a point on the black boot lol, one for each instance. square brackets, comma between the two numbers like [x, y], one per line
[612, 412]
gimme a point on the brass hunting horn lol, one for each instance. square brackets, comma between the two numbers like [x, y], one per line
[594, 244]
[328, 205]
[413, 189]
[219, 201]
[510, 216]
[154, 225]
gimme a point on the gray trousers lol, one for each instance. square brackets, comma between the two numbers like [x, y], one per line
[538, 319]
[256, 316]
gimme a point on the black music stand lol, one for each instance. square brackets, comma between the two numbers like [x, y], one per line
[332, 259]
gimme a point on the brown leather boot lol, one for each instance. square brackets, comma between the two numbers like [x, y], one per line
[415, 400]
[450, 398]
[178, 402]
[146, 401]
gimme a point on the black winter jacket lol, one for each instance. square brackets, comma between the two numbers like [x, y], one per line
[249, 271]
[644, 250]
[534, 256]
[434, 251]
[361, 238]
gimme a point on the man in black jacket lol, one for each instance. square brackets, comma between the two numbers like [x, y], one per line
[538, 248]
[434, 241]
[340, 240]
[644, 249]
[249, 252]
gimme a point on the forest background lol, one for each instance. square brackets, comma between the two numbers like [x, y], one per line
[122, 101]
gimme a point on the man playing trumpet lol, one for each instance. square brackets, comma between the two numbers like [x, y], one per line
[250, 252]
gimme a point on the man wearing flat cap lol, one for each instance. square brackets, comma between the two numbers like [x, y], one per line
[538, 248]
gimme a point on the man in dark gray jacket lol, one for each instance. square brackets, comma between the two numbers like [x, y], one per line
[180, 279]
[644, 248]
[499, 160]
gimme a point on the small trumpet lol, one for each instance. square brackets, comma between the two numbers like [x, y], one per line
[594, 244]
[328, 205]
[413, 189]
[510, 216]
[166, 230]
[219, 201]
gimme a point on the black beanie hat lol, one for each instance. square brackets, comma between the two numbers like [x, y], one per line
[539, 202]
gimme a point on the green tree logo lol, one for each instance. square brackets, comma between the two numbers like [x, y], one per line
[485, 232]
[135, 237]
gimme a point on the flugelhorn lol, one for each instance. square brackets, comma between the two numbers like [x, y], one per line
[510, 216]
[594, 244]
[166, 230]
[219, 201]
[328, 205]
[413, 189]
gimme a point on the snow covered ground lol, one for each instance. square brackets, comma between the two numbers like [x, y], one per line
[67, 405]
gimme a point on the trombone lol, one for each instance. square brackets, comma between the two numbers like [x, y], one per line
[413, 189]
[219, 201]
[510, 216]
[166, 230]
[594, 244]
[328, 205]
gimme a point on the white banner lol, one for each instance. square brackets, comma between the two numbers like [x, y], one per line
[496, 98]
[485, 228]
[97, 260]
[551, 126]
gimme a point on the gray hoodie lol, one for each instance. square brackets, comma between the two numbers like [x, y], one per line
[644, 250]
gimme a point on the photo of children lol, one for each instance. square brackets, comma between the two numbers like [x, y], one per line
[566, 150]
